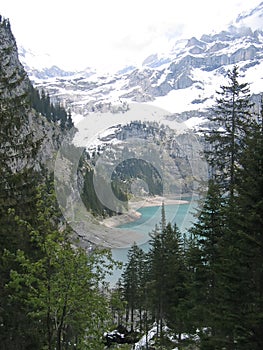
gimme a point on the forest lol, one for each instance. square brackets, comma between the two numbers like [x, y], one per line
[210, 280]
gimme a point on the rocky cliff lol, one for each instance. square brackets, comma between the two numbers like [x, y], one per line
[15, 87]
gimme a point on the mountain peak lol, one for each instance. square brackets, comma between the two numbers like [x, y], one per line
[184, 78]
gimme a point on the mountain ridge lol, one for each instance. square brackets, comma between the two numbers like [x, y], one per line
[183, 79]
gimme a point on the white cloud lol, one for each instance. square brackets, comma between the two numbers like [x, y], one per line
[83, 33]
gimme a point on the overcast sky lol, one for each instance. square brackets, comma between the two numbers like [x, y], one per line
[109, 33]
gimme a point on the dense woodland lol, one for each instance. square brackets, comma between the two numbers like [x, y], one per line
[54, 112]
[52, 293]
[211, 280]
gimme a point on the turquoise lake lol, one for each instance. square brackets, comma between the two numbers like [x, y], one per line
[181, 214]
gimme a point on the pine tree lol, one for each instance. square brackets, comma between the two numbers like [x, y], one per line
[230, 119]
[250, 227]
[174, 279]
[217, 286]
[156, 276]
[117, 303]
[167, 276]
[133, 283]
[225, 253]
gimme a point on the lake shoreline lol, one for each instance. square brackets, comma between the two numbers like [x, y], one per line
[132, 214]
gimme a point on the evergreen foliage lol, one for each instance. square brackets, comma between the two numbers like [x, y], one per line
[229, 253]
[90, 199]
[250, 227]
[133, 283]
[18, 151]
[59, 289]
[50, 290]
[133, 168]
[230, 119]
[53, 112]
[215, 284]
[153, 283]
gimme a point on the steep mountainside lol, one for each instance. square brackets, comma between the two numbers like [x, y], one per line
[183, 79]
[15, 90]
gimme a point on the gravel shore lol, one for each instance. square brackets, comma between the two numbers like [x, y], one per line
[106, 232]
[134, 205]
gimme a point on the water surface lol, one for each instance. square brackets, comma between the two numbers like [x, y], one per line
[180, 214]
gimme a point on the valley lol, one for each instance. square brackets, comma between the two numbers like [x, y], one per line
[131, 199]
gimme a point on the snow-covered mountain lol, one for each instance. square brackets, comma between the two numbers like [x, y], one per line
[183, 79]
[40, 66]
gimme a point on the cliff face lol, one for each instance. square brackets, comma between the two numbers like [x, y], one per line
[14, 80]
[211, 53]
[19, 122]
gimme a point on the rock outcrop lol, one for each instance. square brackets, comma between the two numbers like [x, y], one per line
[15, 87]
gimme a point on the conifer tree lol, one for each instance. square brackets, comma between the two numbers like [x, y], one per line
[225, 256]
[132, 282]
[230, 119]
[167, 275]
[174, 279]
[250, 228]
[156, 276]
[117, 303]
[207, 259]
